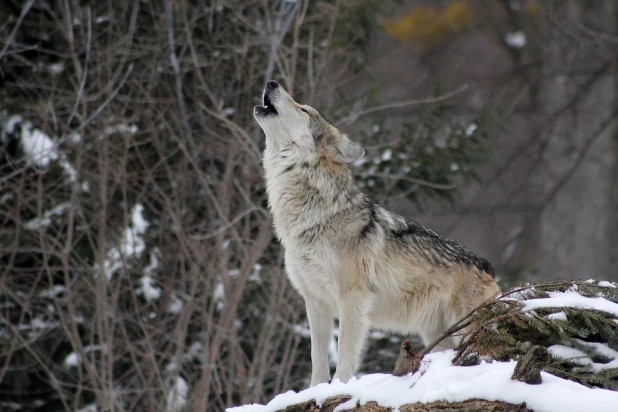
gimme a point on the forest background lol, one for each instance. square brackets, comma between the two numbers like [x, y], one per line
[138, 264]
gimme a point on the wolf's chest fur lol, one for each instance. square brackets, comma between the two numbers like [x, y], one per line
[310, 198]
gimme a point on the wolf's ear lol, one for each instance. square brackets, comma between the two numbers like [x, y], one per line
[345, 151]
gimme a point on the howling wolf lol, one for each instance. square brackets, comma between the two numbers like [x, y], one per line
[348, 257]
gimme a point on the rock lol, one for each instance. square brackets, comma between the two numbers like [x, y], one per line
[472, 405]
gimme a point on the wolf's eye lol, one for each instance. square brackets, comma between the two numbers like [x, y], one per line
[304, 110]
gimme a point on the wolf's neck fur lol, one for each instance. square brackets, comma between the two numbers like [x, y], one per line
[305, 192]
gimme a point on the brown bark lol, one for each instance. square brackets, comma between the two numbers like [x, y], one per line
[528, 368]
[407, 362]
[472, 405]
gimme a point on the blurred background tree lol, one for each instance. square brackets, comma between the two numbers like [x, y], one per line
[138, 267]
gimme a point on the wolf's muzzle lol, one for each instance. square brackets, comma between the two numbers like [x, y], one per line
[268, 109]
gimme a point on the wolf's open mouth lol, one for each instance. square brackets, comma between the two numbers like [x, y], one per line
[268, 109]
[266, 100]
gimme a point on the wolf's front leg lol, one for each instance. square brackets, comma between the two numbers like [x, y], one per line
[321, 328]
[353, 326]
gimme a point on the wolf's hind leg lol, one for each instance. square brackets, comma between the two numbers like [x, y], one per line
[321, 328]
[353, 326]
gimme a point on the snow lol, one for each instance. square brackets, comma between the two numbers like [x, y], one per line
[45, 220]
[53, 292]
[571, 299]
[572, 354]
[75, 138]
[38, 326]
[332, 348]
[74, 359]
[177, 395]
[14, 406]
[175, 305]
[37, 146]
[148, 288]
[219, 296]
[387, 155]
[438, 379]
[302, 330]
[557, 316]
[132, 243]
[56, 68]
[39, 323]
[119, 128]
[154, 261]
[9, 126]
[521, 294]
[195, 352]
[256, 273]
[606, 284]
[470, 129]
[376, 334]
[137, 219]
[600, 348]
[581, 358]
[332, 352]
[516, 39]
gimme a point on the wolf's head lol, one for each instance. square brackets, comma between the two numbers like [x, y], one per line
[288, 124]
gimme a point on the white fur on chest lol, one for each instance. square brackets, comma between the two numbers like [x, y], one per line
[301, 196]
[297, 196]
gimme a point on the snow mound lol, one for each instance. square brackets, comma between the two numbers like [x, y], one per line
[577, 321]
[439, 380]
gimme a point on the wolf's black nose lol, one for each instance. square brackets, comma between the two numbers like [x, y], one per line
[271, 84]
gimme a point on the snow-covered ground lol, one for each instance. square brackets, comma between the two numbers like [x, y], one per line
[439, 380]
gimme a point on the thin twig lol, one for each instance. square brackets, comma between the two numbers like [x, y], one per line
[404, 103]
[459, 325]
[82, 84]
[415, 180]
[169, 19]
[111, 97]
[464, 345]
[227, 226]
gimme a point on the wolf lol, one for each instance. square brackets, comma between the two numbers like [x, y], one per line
[348, 257]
